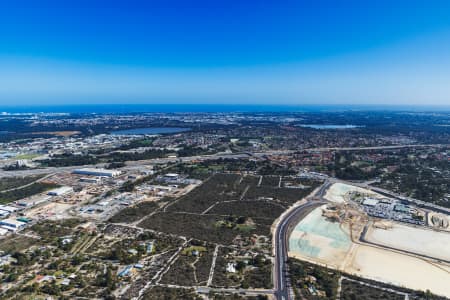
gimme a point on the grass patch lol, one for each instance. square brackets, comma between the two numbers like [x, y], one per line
[26, 156]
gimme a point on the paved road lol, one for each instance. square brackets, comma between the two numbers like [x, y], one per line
[281, 281]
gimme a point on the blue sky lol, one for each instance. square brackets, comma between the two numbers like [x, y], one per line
[252, 52]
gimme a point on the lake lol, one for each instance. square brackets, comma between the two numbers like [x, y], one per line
[150, 130]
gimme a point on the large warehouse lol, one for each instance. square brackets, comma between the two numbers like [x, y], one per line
[60, 191]
[12, 224]
[97, 172]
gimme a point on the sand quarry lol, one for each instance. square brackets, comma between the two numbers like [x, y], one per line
[321, 241]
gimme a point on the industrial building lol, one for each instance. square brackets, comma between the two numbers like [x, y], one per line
[12, 224]
[8, 208]
[60, 191]
[370, 202]
[29, 202]
[97, 172]
[90, 180]
[171, 177]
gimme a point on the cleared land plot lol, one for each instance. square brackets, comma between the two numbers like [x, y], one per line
[413, 239]
[317, 238]
[337, 192]
[400, 269]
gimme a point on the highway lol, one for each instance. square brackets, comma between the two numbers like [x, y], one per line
[288, 221]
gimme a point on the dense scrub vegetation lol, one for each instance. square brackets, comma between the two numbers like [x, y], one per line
[226, 205]
[28, 191]
[13, 182]
[159, 292]
[134, 213]
[354, 291]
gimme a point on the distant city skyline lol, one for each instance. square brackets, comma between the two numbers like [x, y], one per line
[222, 52]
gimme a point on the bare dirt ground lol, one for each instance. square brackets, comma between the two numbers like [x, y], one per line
[414, 239]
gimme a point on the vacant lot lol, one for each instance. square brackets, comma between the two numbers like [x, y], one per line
[414, 239]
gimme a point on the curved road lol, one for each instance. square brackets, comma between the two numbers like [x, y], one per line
[281, 281]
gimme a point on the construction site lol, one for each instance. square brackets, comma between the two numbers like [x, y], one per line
[344, 235]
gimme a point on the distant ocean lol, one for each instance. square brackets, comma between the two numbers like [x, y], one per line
[180, 108]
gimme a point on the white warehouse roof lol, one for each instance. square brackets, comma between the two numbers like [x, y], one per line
[12, 223]
[60, 191]
[97, 172]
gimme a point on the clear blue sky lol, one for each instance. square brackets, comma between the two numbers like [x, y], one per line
[269, 52]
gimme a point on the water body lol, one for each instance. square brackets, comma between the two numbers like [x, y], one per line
[150, 130]
[318, 126]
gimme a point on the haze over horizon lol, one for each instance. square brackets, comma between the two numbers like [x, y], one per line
[218, 52]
